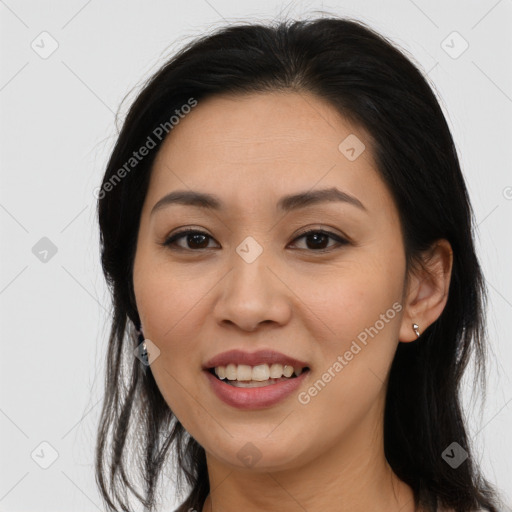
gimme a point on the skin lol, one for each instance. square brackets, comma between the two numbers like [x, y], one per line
[195, 303]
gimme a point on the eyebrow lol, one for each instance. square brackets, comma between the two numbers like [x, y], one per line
[286, 203]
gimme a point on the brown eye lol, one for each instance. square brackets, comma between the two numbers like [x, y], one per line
[317, 240]
[196, 240]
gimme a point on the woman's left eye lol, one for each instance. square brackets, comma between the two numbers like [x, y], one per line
[316, 238]
[319, 237]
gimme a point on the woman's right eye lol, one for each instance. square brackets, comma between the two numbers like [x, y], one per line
[196, 240]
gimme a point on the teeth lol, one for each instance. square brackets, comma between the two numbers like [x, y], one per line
[260, 373]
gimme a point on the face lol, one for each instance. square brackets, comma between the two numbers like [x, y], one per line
[251, 280]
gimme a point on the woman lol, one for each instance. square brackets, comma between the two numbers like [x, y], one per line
[288, 239]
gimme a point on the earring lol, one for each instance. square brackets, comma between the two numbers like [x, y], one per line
[143, 350]
[416, 330]
[140, 334]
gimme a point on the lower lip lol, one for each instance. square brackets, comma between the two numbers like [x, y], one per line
[255, 398]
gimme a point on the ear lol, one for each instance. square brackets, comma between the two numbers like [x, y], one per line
[427, 290]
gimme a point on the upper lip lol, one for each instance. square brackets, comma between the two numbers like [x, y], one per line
[252, 359]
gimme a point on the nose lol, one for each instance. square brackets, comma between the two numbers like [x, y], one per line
[253, 293]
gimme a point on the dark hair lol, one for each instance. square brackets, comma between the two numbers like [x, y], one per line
[370, 82]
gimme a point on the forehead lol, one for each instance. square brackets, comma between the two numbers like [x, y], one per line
[248, 148]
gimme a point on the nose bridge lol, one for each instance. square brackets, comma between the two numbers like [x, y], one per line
[250, 273]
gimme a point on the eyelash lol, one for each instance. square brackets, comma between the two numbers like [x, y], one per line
[182, 234]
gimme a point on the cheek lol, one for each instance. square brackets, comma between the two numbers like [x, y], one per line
[173, 308]
[359, 315]
[168, 296]
[352, 298]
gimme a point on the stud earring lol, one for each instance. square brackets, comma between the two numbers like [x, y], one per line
[416, 330]
[143, 350]
[140, 335]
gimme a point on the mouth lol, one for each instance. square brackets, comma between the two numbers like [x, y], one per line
[264, 368]
[255, 387]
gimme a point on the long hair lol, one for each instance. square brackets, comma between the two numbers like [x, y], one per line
[374, 84]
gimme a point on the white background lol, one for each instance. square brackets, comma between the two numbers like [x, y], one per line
[57, 128]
